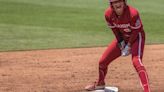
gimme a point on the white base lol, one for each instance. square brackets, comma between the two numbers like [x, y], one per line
[107, 89]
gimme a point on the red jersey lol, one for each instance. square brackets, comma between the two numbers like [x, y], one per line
[126, 27]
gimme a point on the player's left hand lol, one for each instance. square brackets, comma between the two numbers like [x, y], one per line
[126, 51]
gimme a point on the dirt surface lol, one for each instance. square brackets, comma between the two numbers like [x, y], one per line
[70, 70]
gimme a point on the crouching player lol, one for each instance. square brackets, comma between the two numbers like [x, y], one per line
[127, 27]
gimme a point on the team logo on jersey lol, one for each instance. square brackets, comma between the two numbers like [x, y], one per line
[111, 25]
[121, 25]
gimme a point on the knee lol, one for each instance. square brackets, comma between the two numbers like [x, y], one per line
[137, 63]
[103, 64]
[140, 69]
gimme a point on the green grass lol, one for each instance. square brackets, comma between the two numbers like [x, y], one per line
[45, 24]
[152, 16]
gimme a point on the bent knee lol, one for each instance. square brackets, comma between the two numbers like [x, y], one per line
[137, 62]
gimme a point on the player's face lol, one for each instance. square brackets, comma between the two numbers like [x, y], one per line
[118, 6]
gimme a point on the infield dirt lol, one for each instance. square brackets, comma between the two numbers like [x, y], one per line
[70, 70]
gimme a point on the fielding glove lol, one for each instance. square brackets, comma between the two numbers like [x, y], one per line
[121, 45]
[126, 51]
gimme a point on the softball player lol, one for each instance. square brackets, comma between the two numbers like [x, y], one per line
[127, 27]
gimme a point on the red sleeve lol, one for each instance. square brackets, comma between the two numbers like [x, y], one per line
[112, 26]
[136, 27]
